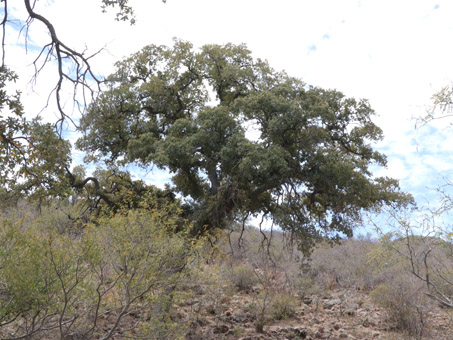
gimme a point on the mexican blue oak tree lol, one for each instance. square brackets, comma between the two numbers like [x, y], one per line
[306, 167]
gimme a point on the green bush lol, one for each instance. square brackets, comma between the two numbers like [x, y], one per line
[259, 309]
[306, 285]
[283, 307]
[243, 277]
[124, 270]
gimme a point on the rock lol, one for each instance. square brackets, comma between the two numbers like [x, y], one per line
[350, 312]
[293, 332]
[330, 303]
[221, 329]
[302, 333]
[307, 300]
[315, 320]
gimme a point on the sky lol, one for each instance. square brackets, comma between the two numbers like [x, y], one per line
[395, 53]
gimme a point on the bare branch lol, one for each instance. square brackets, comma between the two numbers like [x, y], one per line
[81, 75]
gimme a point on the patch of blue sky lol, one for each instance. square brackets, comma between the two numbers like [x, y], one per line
[29, 46]
[312, 48]
[419, 172]
[19, 35]
[150, 175]
[422, 161]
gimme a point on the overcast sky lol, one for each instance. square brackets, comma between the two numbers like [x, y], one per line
[394, 53]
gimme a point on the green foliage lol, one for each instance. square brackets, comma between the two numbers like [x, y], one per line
[283, 307]
[33, 158]
[307, 167]
[125, 12]
[440, 109]
[259, 308]
[243, 277]
[41, 275]
[124, 270]
[111, 190]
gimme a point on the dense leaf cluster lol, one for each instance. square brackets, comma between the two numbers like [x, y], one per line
[33, 158]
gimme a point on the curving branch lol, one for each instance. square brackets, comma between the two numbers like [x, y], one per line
[82, 76]
[73, 67]
[81, 184]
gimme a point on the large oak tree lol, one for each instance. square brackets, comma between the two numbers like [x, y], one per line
[242, 139]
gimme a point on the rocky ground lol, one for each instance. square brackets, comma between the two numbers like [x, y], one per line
[340, 314]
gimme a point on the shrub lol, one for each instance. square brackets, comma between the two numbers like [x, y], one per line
[122, 271]
[259, 309]
[243, 277]
[283, 307]
[345, 264]
[404, 304]
[305, 285]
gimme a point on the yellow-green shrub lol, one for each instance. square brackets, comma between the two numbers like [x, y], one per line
[123, 270]
[243, 276]
[282, 307]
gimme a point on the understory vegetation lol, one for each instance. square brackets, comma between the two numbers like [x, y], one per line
[117, 274]
[131, 274]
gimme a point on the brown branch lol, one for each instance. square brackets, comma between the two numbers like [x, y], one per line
[3, 23]
[56, 48]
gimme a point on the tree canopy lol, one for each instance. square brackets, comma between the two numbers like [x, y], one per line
[241, 139]
[33, 159]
